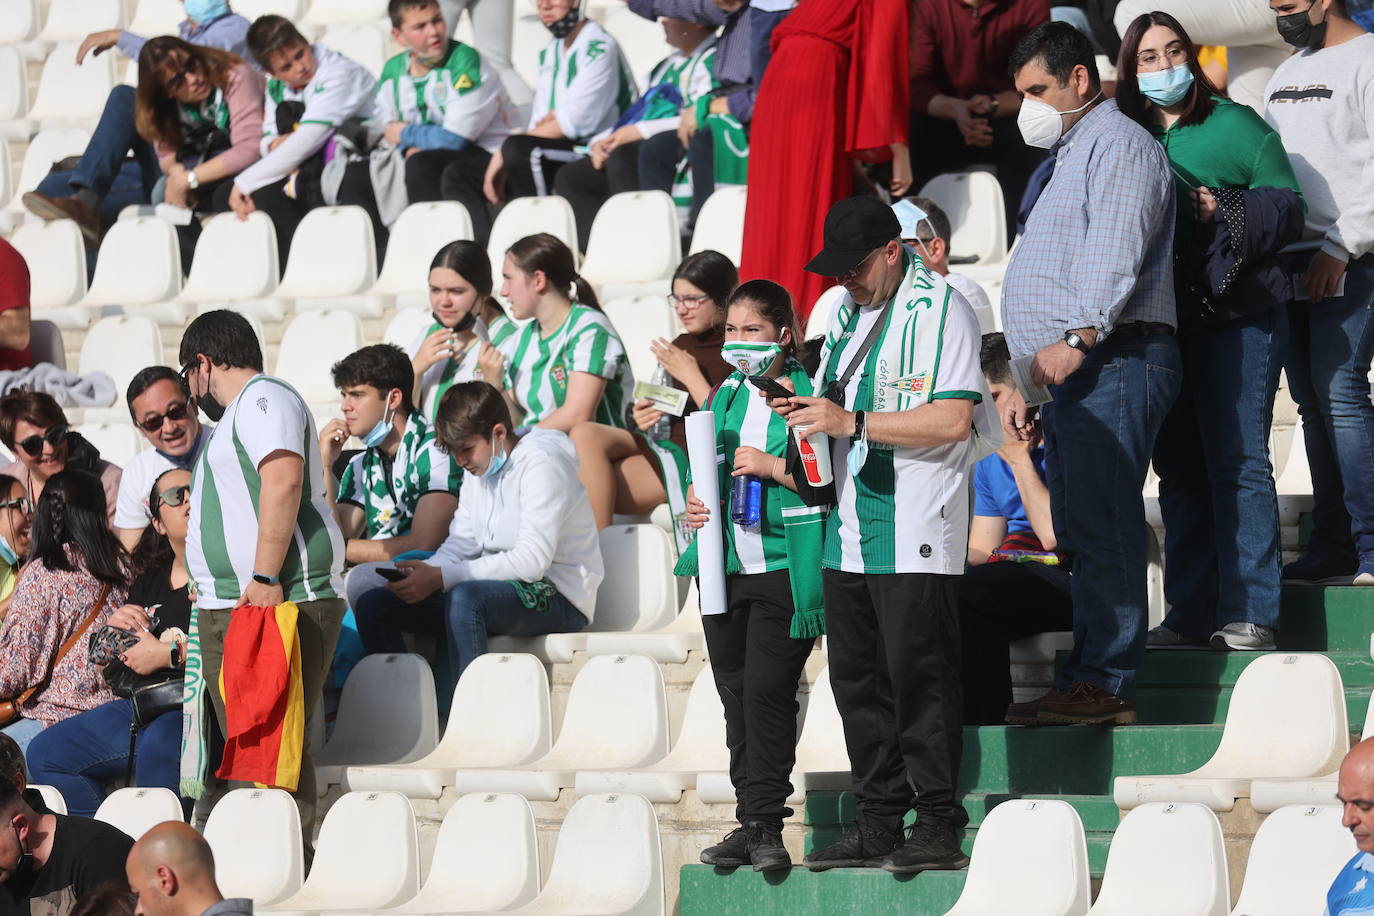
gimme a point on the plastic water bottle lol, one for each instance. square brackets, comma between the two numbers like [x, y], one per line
[663, 426]
[746, 500]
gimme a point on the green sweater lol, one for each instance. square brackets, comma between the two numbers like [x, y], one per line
[1233, 148]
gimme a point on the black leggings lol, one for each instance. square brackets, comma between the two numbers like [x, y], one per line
[532, 162]
[445, 174]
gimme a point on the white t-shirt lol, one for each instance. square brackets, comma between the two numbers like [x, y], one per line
[587, 86]
[131, 509]
[976, 297]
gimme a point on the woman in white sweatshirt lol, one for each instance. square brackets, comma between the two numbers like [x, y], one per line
[522, 556]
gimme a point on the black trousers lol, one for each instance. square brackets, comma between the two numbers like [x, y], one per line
[533, 162]
[999, 602]
[757, 666]
[445, 174]
[894, 667]
[587, 187]
[286, 212]
[658, 159]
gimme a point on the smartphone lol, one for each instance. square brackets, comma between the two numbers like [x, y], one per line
[390, 573]
[770, 387]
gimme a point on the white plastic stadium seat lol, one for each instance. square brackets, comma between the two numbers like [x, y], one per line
[371, 727]
[1294, 856]
[121, 345]
[668, 645]
[271, 867]
[634, 245]
[486, 858]
[1287, 718]
[56, 256]
[417, 235]
[328, 12]
[333, 261]
[157, 17]
[1268, 795]
[720, 224]
[608, 861]
[639, 320]
[363, 42]
[617, 718]
[825, 306]
[1295, 483]
[499, 718]
[69, 20]
[136, 811]
[406, 325]
[700, 747]
[45, 343]
[139, 265]
[1166, 858]
[977, 218]
[116, 442]
[310, 346]
[20, 22]
[528, 216]
[52, 798]
[640, 39]
[367, 858]
[1030, 857]
[14, 97]
[236, 267]
[69, 93]
[47, 147]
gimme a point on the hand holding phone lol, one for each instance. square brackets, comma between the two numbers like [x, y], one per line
[390, 573]
[770, 386]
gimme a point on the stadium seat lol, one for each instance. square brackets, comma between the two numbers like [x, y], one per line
[720, 224]
[1166, 858]
[56, 256]
[367, 858]
[14, 98]
[617, 718]
[157, 17]
[527, 216]
[640, 40]
[317, 277]
[139, 268]
[252, 9]
[499, 718]
[371, 727]
[668, 645]
[486, 858]
[117, 443]
[20, 22]
[634, 245]
[236, 267]
[977, 218]
[1268, 795]
[1295, 482]
[136, 811]
[120, 345]
[1030, 857]
[362, 42]
[72, 94]
[73, 20]
[639, 320]
[329, 12]
[271, 867]
[406, 325]
[824, 307]
[418, 233]
[52, 798]
[700, 747]
[310, 346]
[47, 147]
[45, 343]
[1287, 718]
[1296, 853]
[608, 861]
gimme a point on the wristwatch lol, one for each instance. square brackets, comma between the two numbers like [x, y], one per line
[192, 181]
[993, 106]
[858, 425]
[265, 580]
[1076, 342]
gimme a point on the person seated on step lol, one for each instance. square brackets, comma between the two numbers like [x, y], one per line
[1016, 585]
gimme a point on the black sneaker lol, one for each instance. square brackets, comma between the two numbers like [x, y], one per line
[766, 851]
[1322, 569]
[931, 844]
[731, 852]
[860, 847]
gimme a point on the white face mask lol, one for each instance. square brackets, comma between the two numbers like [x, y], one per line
[751, 358]
[1042, 124]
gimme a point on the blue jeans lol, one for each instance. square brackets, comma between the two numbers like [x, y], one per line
[1329, 351]
[103, 163]
[83, 754]
[466, 614]
[1099, 433]
[1216, 483]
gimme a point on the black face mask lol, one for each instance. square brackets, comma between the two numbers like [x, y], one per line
[1300, 31]
[464, 323]
[212, 408]
[562, 27]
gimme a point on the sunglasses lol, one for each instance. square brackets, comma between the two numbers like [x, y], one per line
[175, 496]
[22, 504]
[55, 437]
[175, 413]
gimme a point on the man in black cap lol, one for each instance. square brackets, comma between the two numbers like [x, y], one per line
[901, 382]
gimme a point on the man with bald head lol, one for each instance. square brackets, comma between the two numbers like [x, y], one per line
[1353, 890]
[172, 873]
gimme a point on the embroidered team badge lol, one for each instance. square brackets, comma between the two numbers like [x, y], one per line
[463, 83]
[560, 375]
[262, 404]
[912, 385]
[595, 48]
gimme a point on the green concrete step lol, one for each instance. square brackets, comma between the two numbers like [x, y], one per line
[1098, 812]
[706, 891]
[1098, 844]
[1190, 668]
[1315, 619]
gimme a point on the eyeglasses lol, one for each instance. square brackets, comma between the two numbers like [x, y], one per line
[174, 413]
[175, 496]
[858, 268]
[55, 436]
[689, 302]
[1174, 55]
[174, 85]
[22, 504]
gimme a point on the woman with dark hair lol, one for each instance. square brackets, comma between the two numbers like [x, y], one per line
[16, 522]
[201, 108]
[759, 646]
[75, 578]
[632, 472]
[567, 366]
[469, 325]
[522, 555]
[1236, 188]
[34, 428]
[83, 754]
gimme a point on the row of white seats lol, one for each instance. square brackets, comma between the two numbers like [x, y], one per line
[1030, 857]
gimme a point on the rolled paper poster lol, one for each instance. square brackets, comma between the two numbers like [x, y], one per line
[701, 455]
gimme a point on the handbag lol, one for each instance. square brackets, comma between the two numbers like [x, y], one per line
[150, 695]
[10, 710]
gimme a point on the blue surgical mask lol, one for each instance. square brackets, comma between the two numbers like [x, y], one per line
[1166, 87]
[7, 554]
[202, 11]
[498, 458]
[380, 431]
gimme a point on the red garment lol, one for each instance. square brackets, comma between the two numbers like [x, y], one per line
[831, 93]
[264, 700]
[14, 294]
[961, 51]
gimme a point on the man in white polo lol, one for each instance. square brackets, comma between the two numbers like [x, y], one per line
[161, 408]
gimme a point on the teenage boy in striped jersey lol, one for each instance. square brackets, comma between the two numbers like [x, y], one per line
[261, 528]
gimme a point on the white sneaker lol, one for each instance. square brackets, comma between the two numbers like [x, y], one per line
[1244, 637]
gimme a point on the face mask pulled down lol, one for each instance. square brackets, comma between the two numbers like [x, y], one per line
[562, 27]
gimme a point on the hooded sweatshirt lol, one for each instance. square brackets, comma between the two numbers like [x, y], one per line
[531, 520]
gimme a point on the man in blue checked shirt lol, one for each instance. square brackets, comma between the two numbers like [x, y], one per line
[1089, 298]
[1352, 892]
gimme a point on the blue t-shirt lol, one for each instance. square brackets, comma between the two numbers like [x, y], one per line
[1352, 892]
[996, 494]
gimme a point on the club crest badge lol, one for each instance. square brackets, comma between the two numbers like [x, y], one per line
[911, 385]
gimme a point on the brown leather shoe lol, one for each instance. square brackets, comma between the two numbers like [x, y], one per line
[1084, 704]
[45, 207]
[1028, 713]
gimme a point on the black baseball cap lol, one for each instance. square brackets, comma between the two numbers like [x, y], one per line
[854, 228]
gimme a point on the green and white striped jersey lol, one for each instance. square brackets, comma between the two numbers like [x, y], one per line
[461, 95]
[586, 87]
[907, 511]
[538, 369]
[388, 489]
[222, 541]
